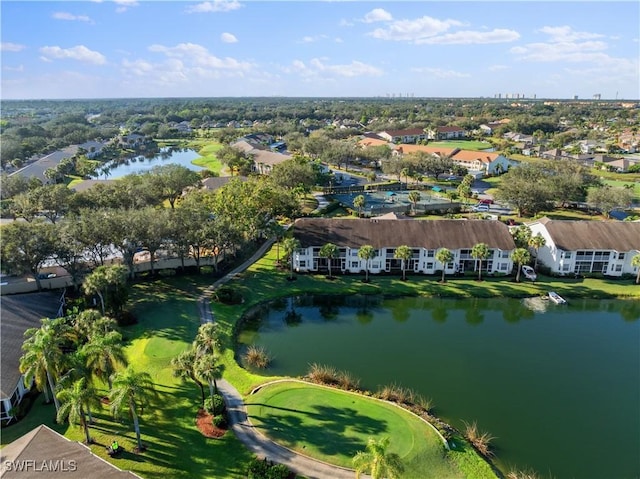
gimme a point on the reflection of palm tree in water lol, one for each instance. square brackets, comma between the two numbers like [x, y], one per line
[292, 317]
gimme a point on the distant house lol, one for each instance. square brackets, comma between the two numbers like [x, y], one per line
[489, 128]
[577, 247]
[264, 160]
[446, 133]
[52, 160]
[214, 183]
[412, 135]
[43, 453]
[132, 140]
[19, 313]
[93, 148]
[425, 238]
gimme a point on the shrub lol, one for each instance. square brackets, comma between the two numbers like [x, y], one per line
[319, 373]
[220, 421]
[397, 394]
[227, 295]
[522, 475]
[257, 357]
[215, 406]
[480, 440]
[263, 469]
[347, 381]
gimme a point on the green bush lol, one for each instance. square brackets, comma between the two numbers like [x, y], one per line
[215, 406]
[263, 469]
[220, 421]
[227, 295]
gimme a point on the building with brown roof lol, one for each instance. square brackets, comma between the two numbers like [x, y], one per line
[425, 238]
[576, 247]
[446, 133]
[19, 313]
[43, 453]
[411, 135]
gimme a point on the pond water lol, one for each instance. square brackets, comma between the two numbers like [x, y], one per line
[140, 164]
[558, 386]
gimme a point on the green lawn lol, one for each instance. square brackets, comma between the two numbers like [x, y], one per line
[207, 151]
[462, 144]
[333, 425]
[635, 186]
[168, 321]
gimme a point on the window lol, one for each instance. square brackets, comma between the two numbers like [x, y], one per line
[566, 254]
[502, 266]
[566, 267]
[355, 264]
[504, 254]
[429, 265]
[431, 253]
[618, 268]
[303, 264]
[620, 255]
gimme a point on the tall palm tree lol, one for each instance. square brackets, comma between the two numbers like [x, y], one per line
[290, 245]
[520, 256]
[75, 398]
[184, 367]
[377, 462]
[414, 197]
[635, 262]
[537, 242]
[405, 172]
[329, 251]
[104, 354]
[367, 253]
[359, 202]
[445, 257]
[404, 254]
[480, 252]
[277, 230]
[207, 344]
[131, 390]
[43, 358]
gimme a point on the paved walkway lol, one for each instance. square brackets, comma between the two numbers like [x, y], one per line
[256, 442]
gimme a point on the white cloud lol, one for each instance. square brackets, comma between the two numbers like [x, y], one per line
[228, 38]
[560, 51]
[496, 68]
[377, 15]
[441, 73]
[567, 34]
[79, 52]
[19, 68]
[345, 23]
[124, 5]
[214, 6]
[195, 55]
[414, 31]
[318, 67]
[11, 47]
[497, 35]
[312, 39]
[71, 17]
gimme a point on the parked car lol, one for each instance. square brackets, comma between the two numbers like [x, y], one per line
[482, 207]
[485, 201]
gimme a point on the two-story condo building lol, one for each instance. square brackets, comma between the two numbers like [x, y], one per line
[412, 135]
[577, 247]
[425, 238]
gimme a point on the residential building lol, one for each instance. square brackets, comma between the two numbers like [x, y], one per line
[264, 159]
[577, 247]
[412, 135]
[19, 313]
[446, 133]
[43, 453]
[424, 238]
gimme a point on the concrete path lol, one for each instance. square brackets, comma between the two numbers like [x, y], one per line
[239, 422]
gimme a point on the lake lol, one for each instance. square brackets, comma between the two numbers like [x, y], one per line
[140, 164]
[558, 386]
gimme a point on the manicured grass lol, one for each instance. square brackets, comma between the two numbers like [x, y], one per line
[462, 144]
[168, 321]
[333, 425]
[622, 184]
[207, 151]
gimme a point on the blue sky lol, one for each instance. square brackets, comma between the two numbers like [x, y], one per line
[138, 48]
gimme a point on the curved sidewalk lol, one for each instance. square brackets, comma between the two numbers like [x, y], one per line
[256, 442]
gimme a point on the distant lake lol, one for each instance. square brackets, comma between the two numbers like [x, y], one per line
[559, 386]
[141, 164]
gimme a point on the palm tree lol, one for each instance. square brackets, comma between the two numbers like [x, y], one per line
[480, 252]
[131, 390]
[105, 278]
[74, 400]
[520, 256]
[184, 367]
[290, 245]
[359, 202]
[635, 262]
[329, 251]
[445, 257]
[537, 242]
[367, 253]
[277, 230]
[377, 462]
[42, 358]
[404, 254]
[405, 172]
[414, 197]
[104, 354]
[207, 344]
